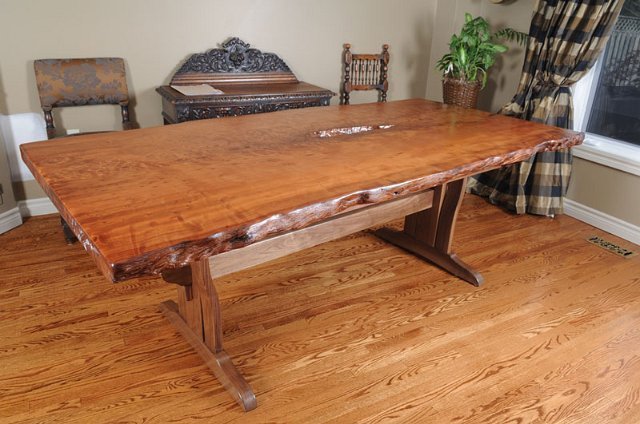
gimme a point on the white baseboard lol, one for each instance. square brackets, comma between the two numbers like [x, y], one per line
[10, 220]
[603, 221]
[35, 207]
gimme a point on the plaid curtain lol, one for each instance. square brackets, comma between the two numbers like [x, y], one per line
[565, 39]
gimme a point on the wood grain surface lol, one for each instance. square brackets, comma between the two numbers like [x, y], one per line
[352, 331]
[146, 200]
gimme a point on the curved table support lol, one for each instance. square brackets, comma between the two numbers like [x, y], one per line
[429, 233]
[447, 261]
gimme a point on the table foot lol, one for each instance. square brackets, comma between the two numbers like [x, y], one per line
[220, 362]
[448, 261]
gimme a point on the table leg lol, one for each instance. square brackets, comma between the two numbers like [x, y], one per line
[429, 233]
[197, 317]
[69, 237]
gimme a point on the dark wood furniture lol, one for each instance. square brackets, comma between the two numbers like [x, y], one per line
[251, 81]
[235, 193]
[81, 82]
[362, 72]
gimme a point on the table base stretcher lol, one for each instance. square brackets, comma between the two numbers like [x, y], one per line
[428, 230]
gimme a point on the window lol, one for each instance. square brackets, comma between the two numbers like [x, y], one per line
[607, 101]
[615, 111]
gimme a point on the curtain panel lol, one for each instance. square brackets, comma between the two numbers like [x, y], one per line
[565, 39]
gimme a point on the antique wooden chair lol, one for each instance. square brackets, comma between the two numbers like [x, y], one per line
[81, 82]
[364, 72]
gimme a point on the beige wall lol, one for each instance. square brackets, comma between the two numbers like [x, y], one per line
[7, 200]
[607, 190]
[504, 75]
[155, 36]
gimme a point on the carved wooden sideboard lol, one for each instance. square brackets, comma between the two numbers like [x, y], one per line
[251, 82]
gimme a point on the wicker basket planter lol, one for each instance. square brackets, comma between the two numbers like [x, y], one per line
[460, 93]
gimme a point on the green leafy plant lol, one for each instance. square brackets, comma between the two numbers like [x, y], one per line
[474, 50]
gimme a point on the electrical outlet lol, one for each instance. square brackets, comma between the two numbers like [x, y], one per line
[73, 131]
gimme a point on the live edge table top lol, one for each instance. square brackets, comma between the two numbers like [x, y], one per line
[146, 200]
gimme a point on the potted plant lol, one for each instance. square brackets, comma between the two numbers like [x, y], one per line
[471, 54]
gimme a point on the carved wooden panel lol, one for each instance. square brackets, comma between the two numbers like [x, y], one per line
[241, 100]
[235, 62]
[193, 113]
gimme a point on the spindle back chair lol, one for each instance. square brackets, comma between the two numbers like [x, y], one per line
[364, 72]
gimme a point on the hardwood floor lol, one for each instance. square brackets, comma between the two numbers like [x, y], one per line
[354, 330]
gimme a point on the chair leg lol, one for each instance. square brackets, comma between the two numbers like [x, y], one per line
[68, 234]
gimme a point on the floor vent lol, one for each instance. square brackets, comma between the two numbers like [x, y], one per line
[611, 247]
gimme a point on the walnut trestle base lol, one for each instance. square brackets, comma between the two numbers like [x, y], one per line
[428, 230]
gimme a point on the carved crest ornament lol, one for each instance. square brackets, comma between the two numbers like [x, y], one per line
[235, 56]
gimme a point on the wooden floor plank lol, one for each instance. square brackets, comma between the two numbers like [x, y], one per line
[354, 330]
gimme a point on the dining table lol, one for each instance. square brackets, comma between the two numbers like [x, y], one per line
[195, 201]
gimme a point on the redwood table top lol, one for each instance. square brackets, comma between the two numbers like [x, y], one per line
[145, 200]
